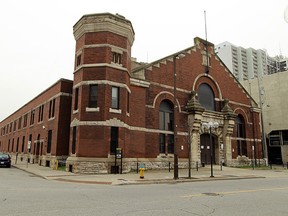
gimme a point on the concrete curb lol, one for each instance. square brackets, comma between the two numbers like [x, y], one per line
[122, 182]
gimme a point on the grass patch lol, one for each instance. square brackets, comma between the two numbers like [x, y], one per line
[62, 168]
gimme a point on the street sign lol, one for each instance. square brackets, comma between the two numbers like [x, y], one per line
[118, 153]
[29, 145]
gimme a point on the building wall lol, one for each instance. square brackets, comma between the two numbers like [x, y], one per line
[103, 58]
[60, 93]
[272, 89]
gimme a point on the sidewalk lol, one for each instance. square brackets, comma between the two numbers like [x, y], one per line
[154, 176]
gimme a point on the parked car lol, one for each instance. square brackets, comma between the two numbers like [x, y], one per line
[5, 160]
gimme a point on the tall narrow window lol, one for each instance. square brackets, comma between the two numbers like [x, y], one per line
[17, 144]
[162, 143]
[78, 60]
[19, 123]
[32, 115]
[115, 97]
[23, 144]
[12, 145]
[166, 116]
[40, 113]
[128, 102]
[25, 120]
[52, 108]
[241, 142]
[76, 99]
[15, 124]
[114, 140]
[74, 137]
[93, 96]
[49, 141]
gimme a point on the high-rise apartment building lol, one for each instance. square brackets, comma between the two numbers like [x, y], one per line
[247, 63]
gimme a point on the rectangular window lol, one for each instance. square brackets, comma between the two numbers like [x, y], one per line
[76, 99]
[242, 147]
[74, 139]
[11, 124]
[115, 97]
[49, 141]
[25, 120]
[78, 60]
[23, 144]
[128, 102]
[117, 58]
[32, 115]
[165, 121]
[15, 123]
[17, 144]
[19, 123]
[161, 120]
[114, 139]
[93, 96]
[40, 113]
[52, 109]
[162, 143]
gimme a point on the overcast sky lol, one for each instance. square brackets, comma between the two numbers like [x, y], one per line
[37, 42]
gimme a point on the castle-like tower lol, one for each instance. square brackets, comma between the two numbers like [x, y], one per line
[100, 89]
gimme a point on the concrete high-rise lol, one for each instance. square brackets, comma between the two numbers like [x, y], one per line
[245, 63]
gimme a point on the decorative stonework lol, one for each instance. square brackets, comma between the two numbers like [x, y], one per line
[104, 22]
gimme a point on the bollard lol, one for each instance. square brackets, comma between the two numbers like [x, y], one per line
[197, 165]
[137, 167]
[270, 165]
[169, 166]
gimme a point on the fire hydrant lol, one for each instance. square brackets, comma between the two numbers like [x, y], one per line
[141, 170]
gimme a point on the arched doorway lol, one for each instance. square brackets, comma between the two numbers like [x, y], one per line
[206, 149]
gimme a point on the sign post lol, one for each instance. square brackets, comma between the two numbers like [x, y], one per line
[119, 156]
[28, 151]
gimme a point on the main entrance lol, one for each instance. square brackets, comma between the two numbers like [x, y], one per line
[206, 149]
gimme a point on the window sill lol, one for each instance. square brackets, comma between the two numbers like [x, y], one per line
[89, 109]
[115, 111]
[52, 118]
[75, 111]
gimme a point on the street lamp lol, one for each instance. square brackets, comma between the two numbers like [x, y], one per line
[176, 56]
[209, 126]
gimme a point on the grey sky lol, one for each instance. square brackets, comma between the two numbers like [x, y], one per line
[37, 43]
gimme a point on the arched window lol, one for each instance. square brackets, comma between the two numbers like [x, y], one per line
[166, 116]
[241, 142]
[206, 97]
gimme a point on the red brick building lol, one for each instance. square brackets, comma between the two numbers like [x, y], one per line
[42, 123]
[150, 112]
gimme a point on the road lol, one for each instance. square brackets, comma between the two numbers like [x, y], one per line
[24, 194]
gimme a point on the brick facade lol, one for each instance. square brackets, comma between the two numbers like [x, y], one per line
[116, 104]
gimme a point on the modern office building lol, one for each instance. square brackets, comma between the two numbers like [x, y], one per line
[183, 109]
